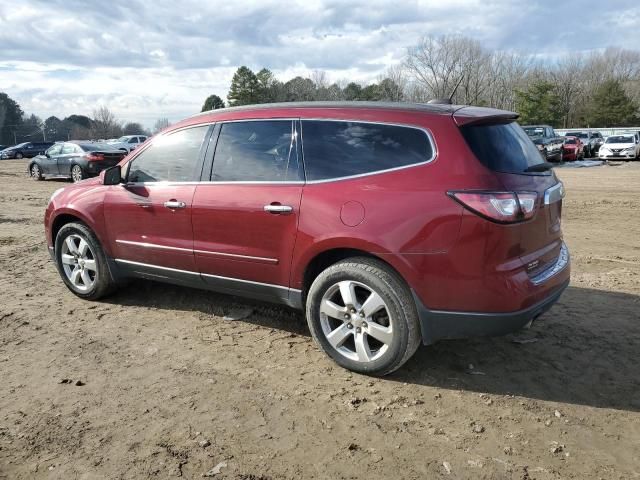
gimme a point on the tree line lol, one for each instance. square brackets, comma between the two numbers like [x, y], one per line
[599, 89]
[17, 127]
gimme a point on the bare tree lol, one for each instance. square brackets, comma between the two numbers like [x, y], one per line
[437, 65]
[160, 125]
[105, 125]
[393, 83]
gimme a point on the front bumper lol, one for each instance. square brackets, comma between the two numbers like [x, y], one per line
[440, 324]
[622, 155]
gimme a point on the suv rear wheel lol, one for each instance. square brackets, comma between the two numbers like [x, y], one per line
[363, 316]
[82, 263]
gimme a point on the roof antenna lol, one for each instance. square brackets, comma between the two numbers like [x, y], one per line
[447, 101]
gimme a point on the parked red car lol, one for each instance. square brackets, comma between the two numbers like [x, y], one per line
[389, 224]
[572, 149]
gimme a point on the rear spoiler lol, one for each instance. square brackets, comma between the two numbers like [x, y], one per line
[482, 115]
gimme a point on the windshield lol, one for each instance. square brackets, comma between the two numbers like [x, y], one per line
[122, 139]
[504, 147]
[580, 135]
[570, 141]
[534, 131]
[620, 139]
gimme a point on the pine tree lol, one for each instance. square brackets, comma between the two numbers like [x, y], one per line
[610, 106]
[213, 102]
[244, 87]
[540, 104]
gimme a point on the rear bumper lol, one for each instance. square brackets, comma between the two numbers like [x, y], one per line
[444, 324]
[439, 325]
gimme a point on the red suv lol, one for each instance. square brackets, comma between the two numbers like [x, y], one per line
[389, 224]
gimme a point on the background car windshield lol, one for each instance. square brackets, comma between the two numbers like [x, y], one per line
[503, 147]
[580, 135]
[620, 139]
[570, 141]
[534, 131]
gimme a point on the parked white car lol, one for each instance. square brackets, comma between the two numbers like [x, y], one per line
[625, 146]
[127, 142]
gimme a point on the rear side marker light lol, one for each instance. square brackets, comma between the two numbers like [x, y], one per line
[499, 207]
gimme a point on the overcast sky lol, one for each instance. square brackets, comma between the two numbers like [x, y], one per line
[147, 59]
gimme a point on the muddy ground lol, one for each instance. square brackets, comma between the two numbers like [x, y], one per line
[154, 383]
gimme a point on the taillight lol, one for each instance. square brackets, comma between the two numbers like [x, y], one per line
[501, 207]
[94, 157]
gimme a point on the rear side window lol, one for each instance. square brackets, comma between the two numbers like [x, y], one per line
[171, 158]
[336, 149]
[257, 151]
[502, 147]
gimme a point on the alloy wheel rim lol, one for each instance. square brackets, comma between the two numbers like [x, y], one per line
[79, 262]
[356, 321]
[35, 171]
[76, 174]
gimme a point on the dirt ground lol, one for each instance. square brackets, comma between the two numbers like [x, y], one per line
[153, 382]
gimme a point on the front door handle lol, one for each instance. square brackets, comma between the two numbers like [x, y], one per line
[277, 208]
[173, 204]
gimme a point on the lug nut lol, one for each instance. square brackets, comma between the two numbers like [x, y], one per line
[364, 324]
[358, 330]
[353, 310]
[349, 326]
[347, 316]
[362, 314]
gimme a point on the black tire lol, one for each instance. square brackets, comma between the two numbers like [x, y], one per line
[19, 156]
[103, 284]
[402, 316]
[77, 174]
[35, 172]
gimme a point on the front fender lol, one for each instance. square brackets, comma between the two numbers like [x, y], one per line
[84, 203]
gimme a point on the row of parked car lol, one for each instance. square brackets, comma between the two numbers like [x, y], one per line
[126, 143]
[76, 160]
[579, 145]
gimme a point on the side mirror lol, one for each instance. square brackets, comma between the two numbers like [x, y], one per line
[112, 176]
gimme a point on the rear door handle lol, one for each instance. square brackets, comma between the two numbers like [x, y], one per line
[173, 204]
[282, 209]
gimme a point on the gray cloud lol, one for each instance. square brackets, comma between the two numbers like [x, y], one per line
[198, 44]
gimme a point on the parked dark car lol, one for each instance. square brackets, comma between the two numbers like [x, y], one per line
[75, 160]
[388, 224]
[25, 150]
[549, 143]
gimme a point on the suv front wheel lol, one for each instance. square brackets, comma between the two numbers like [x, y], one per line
[82, 263]
[363, 316]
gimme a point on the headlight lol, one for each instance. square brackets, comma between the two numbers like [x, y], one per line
[630, 150]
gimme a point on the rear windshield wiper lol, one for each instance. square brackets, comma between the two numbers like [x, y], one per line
[539, 167]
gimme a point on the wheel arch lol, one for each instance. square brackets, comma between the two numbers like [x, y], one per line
[325, 258]
[66, 215]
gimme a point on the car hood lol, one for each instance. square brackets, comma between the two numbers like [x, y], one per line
[619, 145]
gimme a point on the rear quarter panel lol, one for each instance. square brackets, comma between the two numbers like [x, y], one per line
[407, 213]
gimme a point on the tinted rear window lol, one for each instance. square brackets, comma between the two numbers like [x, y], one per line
[335, 149]
[502, 147]
[94, 147]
